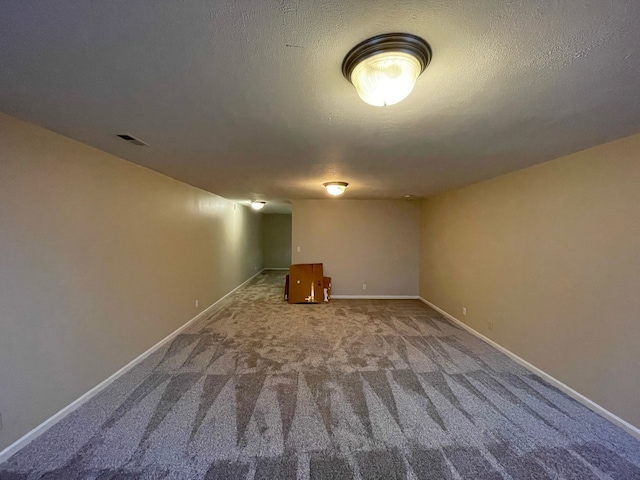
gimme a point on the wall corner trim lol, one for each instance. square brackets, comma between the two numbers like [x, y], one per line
[590, 404]
[23, 441]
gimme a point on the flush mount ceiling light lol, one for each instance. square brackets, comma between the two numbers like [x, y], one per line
[131, 139]
[385, 68]
[257, 205]
[335, 188]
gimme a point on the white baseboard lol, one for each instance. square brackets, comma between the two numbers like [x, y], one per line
[603, 412]
[51, 421]
[278, 269]
[375, 297]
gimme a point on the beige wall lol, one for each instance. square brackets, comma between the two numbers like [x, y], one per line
[360, 241]
[551, 256]
[99, 260]
[276, 247]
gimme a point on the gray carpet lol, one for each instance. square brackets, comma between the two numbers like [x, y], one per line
[354, 389]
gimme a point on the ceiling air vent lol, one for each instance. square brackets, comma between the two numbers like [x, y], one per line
[133, 140]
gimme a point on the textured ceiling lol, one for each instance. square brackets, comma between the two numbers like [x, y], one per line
[246, 98]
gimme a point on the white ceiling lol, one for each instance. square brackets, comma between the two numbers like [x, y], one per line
[245, 98]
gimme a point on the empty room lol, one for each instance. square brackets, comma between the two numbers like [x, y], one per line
[320, 240]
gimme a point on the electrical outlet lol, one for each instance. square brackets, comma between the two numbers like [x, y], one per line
[298, 249]
[464, 311]
[490, 325]
[364, 286]
[197, 303]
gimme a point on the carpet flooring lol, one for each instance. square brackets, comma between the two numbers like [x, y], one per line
[353, 389]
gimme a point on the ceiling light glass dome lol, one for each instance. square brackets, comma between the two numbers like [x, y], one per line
[386, 78]
[384, 69]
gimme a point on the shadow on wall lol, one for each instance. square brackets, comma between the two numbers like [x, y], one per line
[276, 240]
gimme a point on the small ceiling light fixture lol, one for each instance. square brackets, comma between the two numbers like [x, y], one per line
[385, 68]
[257, 205]
[335, 188]
[131, 139]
